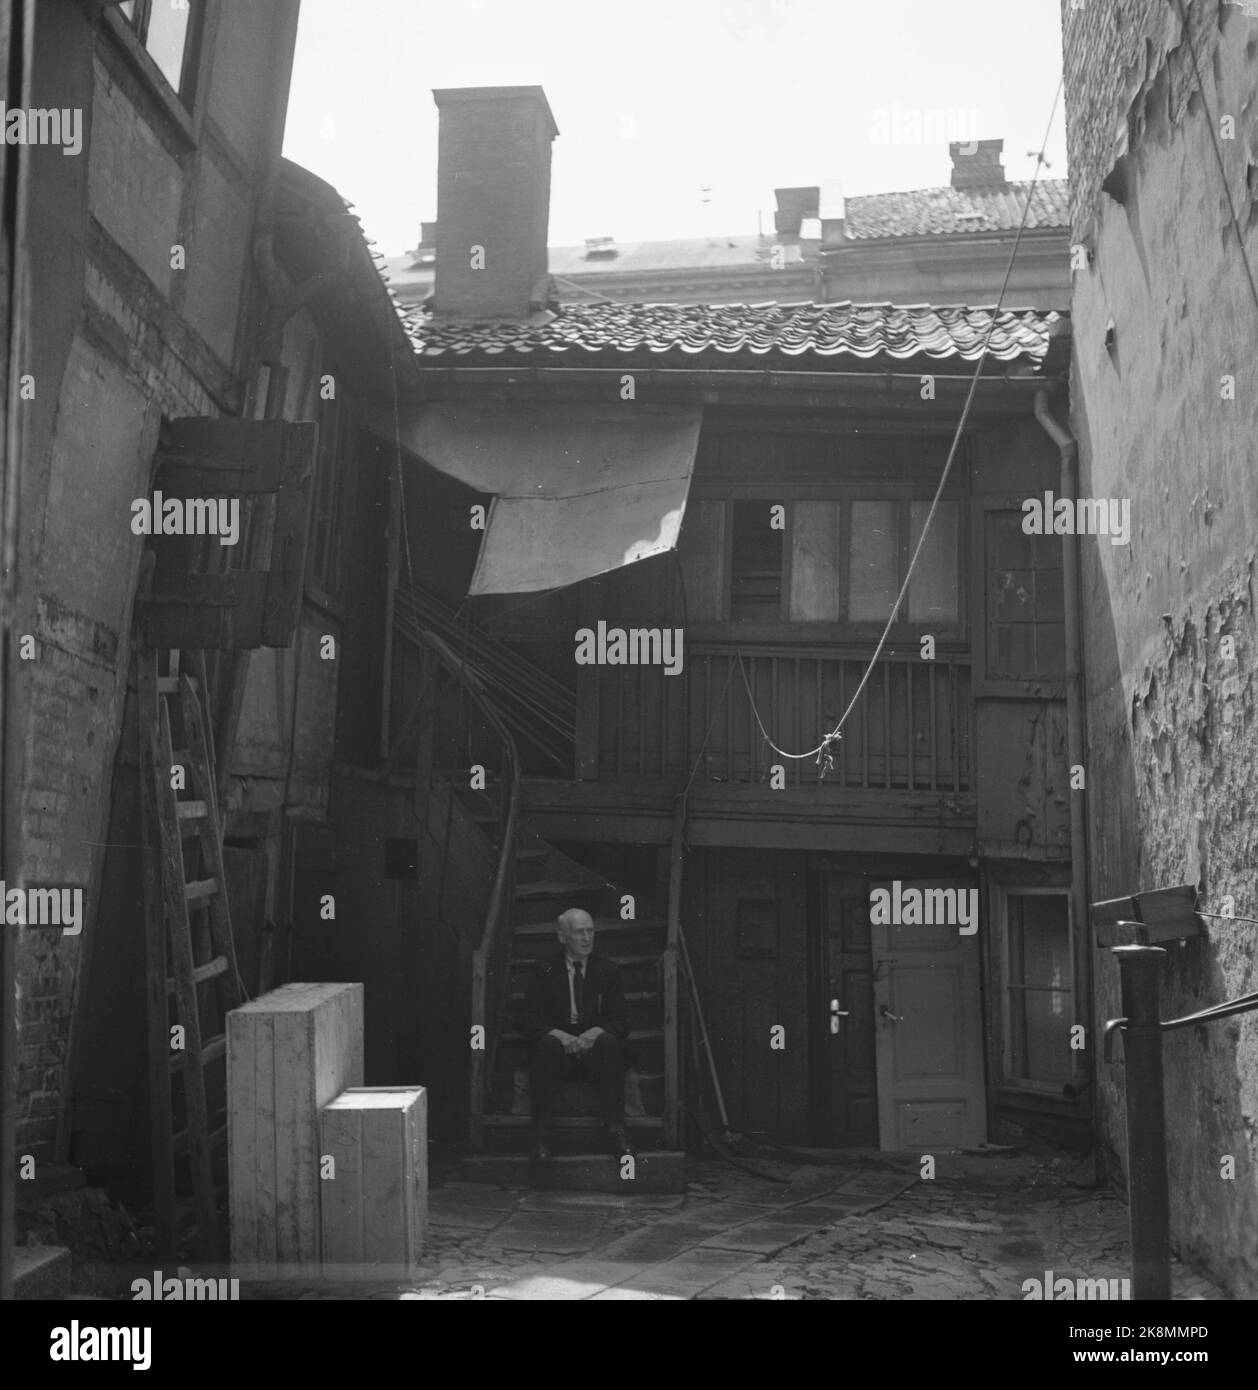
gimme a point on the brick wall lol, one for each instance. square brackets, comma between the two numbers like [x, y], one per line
[1165, 406]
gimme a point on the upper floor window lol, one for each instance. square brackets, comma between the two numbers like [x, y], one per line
[755, 563]
[1026, 627]
[169, 30]
[823, 561]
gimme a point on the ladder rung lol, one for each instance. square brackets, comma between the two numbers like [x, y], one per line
[191, 810]
[169, 685]
[200, 888]
[179, 1140]
[210, 1052]
[208, 971]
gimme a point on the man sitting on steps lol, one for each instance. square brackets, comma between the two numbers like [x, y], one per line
[576, 1022]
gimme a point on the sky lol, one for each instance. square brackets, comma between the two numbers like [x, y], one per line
[677, 118]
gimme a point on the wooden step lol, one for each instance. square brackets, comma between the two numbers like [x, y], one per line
[191, 810]
[655, 1171]
[602, 925]
[556, 888]
[200, 888]
[211, 968]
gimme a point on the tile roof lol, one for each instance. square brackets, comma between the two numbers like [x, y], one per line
[944, 211]
[794, 330]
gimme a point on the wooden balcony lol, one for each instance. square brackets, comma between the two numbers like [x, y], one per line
[909, 732]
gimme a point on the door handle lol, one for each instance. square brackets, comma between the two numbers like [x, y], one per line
[887, 1014]
[835, 1014]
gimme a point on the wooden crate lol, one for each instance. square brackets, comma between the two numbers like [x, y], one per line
[375, 1210]
[288, 1054]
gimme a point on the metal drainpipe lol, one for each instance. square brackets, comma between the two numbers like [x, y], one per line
[1068, 448]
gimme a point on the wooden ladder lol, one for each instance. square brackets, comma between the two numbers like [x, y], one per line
[183, 878]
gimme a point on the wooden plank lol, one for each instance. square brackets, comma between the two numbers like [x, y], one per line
[232, 455]
[375, 1207]
[281, 611]
[216, 611]
[1163, 914]
[289, 1053]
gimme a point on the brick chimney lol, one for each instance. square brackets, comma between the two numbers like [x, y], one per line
[493, 202]
[981, 171]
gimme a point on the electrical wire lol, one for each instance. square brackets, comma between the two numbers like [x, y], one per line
[822, 751]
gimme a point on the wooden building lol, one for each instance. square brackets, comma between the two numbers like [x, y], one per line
[739, 491]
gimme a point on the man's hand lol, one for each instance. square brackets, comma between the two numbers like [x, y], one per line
[586, 1041]
[571, 1044]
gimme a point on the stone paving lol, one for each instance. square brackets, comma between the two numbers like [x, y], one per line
[866, 1228]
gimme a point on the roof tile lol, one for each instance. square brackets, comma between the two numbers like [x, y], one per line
[795, 330]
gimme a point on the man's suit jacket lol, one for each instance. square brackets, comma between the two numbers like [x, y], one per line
[547, 1005]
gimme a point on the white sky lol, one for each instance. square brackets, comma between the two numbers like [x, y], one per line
[655, 98]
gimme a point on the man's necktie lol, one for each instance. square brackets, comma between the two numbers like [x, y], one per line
[578, 981]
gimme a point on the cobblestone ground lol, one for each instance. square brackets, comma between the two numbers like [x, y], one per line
[869, 1228]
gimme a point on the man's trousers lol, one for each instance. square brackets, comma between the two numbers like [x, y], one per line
[603, 1065]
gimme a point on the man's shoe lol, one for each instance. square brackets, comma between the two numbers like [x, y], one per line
[618, 1142]
[539, 1150]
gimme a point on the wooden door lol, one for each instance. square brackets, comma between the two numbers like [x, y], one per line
[849, 1100]
[929, 1031]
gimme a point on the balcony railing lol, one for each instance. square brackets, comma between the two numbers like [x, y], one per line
[910, 730]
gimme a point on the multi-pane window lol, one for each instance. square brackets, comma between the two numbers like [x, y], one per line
[1038, 990]
[1026, 629]
[169, 30]
[756, 563]
[832, 561]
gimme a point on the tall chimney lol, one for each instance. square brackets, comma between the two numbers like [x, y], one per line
[493, 202]
[976, 167]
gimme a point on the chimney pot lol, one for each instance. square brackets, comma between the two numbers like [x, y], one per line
[977, 169]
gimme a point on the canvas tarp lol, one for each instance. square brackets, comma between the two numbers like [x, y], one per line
[578, 489]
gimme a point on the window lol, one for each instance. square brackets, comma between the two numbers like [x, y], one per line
[1025, 607]
[756, 563]
[169, 30]
[1038, 988]
[884, 535]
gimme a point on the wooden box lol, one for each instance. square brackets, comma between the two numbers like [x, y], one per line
[288, 1054]
[375, 1208]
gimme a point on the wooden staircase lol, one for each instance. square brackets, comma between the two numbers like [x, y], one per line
[546, 883]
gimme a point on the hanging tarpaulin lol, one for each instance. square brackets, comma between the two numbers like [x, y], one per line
[578, 489]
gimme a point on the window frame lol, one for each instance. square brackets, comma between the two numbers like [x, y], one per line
[954, 636]
[981, 684]
[181, 107]
[1005, 1080]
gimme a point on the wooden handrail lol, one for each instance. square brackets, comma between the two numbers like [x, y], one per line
[484, 1009]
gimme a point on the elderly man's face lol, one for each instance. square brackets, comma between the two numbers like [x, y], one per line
[576, 931]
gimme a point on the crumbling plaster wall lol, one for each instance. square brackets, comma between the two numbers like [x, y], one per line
[1165, 394]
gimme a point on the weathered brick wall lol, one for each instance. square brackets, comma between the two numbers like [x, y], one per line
[1165, 399]
[118, 340]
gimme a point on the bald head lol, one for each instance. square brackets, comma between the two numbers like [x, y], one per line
[576, 931]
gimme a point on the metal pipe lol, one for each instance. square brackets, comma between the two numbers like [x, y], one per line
[1148, 1195]
[1076, 738]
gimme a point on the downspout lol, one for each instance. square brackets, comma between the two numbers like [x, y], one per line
[1068, 448]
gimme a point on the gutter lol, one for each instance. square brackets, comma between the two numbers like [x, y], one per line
[1068, 448]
